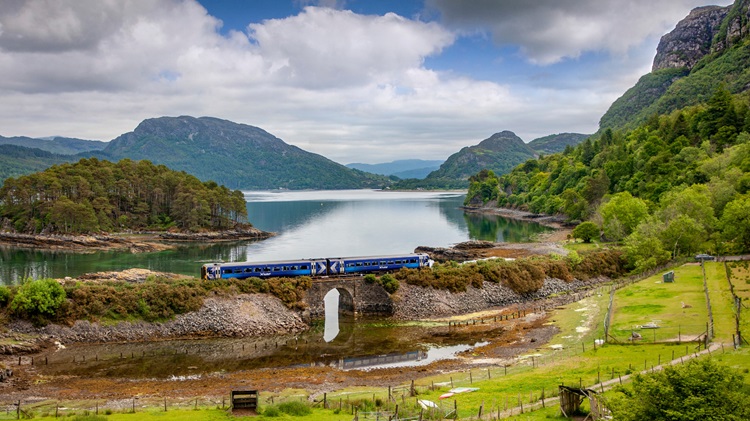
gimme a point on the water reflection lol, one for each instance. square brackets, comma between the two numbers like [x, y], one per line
[331, 305]
[499, 229]
[309, 224]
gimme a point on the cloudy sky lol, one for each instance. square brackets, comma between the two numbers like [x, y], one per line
[354, 80]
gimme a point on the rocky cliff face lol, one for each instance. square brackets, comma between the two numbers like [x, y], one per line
[735, 27]
[691, 39]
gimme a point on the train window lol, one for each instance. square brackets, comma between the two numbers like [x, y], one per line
[382, 263]
[258, 269]
[248, 270]
[275, 268]
[227, 271]
[303, 267]
[413, 261]
[359, 264]
[238, 271]
[266, 269]
[293, 268]
[390, 263]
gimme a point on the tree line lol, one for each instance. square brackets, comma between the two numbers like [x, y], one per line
[675, 185]
[95, 195]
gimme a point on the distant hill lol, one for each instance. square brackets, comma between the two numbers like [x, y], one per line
[707, 49]
[236, 155]
[17, 160]
[404, 168]
[555, 143]
[57, 145]
[499, 153]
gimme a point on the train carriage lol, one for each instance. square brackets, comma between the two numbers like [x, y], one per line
[314, 267]
[370, 264]
[241, 270]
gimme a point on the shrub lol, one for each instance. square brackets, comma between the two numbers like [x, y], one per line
[389, 283]
[271, 411]
[295, 408]
[586, 231]
[4, 295]
[38, 298]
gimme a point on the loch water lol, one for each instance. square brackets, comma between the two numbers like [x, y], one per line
[308, 224]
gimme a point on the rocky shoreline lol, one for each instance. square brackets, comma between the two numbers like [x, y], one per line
[134, 242]
[239, 316]
[552, 221]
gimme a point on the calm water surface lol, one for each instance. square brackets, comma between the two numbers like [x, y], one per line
[309, 224]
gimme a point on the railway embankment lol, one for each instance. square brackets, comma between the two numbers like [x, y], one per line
[244, 315]
[413, 302]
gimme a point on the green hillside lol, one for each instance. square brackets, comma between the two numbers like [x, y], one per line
[675, 185]
[499, 153]
[236, 155]
[56, 145]
[725, 62]
[16, 160]
[93, 195]
[556, 142]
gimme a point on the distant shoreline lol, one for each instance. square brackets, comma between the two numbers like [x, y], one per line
[551, 221]
[135, 242]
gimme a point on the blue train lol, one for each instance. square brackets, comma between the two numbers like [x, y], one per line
[315, 267]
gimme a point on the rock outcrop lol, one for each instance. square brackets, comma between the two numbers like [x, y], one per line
[691, 39]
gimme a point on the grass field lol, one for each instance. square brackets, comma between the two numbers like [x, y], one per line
[678, 309]
[722, 305]
[740, 273]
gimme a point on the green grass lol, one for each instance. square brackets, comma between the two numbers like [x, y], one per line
[679, 308]
[722, 305]
[740, 272]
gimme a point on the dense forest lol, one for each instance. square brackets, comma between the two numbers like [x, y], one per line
[673, 186]
[95, 195]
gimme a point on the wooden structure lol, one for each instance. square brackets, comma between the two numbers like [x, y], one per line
[245, 400]
[571, 399]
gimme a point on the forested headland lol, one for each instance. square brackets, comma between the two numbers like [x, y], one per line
[95, 195]
[675, 185]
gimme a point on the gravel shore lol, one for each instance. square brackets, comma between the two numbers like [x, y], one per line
[242, 315]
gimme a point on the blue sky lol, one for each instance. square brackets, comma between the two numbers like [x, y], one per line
[353, 80]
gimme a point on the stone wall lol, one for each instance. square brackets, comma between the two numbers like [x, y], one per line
[356, 296]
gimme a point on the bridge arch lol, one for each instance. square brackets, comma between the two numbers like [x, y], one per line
[355, 297]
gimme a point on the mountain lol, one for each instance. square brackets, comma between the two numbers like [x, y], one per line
[555, 143]
[56, 145]
[707, 49]
[238, 156]
[499, 153]
[17, 160]
[404, 168]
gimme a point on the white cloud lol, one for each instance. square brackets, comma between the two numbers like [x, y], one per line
[350, 87]
[549, 31]
[323, 47]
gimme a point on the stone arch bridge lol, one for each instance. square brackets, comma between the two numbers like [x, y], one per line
[355, 297]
